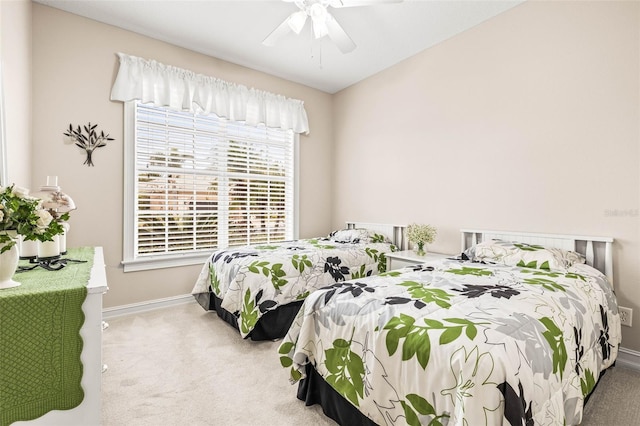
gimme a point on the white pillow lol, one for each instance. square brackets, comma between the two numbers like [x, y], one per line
[358, 235]
[525, 255]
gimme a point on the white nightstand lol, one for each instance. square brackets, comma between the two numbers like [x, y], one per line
[401, 259]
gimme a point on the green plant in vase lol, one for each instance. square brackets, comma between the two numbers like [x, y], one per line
[21, 214]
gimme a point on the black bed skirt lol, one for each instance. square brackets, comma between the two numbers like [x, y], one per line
[314, 390]
[271, 326]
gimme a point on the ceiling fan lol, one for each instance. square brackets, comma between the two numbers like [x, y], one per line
[323, 23]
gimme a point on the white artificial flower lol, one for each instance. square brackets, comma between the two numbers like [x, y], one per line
[1, 214]
[44, 219]
[20, 192]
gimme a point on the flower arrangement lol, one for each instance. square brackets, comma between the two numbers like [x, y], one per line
[421, 235]
[23, 215]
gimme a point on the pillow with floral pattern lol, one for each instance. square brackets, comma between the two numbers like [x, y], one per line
[525, 255]
[357, 235]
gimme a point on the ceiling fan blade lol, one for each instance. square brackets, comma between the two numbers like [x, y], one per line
[275, 35]
[297, 20]
[338, 35]
[353, 3]
[294, 22]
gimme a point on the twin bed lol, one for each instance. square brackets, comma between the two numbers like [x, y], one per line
[507, 333]
[259, 289]
[517, 329]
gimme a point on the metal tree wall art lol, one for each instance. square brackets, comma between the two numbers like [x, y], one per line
[88, 138]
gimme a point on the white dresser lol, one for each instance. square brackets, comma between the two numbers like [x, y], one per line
[89, 412]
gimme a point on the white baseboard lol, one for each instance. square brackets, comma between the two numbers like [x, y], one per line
[149, 305]
[628, 358]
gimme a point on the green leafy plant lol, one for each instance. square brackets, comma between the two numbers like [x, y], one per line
[88, 138]
[23, 215]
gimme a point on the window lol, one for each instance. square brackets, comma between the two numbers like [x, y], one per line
[195, 183]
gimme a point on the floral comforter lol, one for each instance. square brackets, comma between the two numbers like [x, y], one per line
[252, 280]
[460, 343]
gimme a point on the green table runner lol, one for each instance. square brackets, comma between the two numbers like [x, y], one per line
[40, 344]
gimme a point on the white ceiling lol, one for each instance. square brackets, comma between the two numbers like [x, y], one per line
[385, 34]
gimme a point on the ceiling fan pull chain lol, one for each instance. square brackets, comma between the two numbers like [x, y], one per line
[315, 43]
[318, 44]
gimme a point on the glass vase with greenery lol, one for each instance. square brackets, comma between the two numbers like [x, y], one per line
[420, 235]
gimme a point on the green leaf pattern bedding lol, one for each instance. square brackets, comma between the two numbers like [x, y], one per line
[252, 280]
[460, 343]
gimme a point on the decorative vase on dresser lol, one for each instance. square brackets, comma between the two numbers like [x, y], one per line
[28, 249]
[8, 264]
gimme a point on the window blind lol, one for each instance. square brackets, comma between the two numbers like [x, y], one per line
[205, 182]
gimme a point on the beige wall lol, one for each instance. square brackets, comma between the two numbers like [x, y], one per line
[15, 54]
[74, 66]
[527, 122]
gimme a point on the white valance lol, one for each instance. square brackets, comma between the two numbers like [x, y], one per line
[164, 85]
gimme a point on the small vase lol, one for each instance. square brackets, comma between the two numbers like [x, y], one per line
[28, 249]
[63, 238]
[49, 249]
[420, 249]
[8, 265]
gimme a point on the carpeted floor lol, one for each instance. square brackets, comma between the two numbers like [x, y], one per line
[616, 400]
[182, 366]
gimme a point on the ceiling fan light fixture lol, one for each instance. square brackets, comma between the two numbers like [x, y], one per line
[319, 16]
[317, 11]
[322, 22]
[320, 29]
